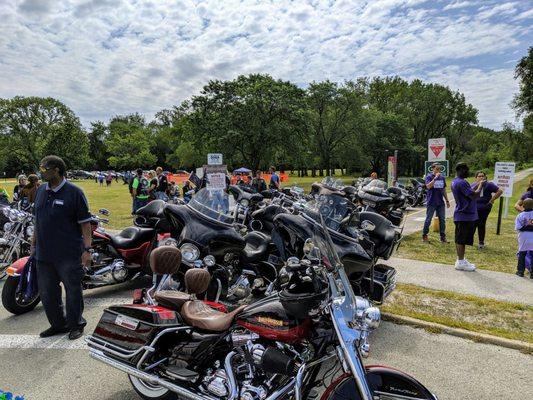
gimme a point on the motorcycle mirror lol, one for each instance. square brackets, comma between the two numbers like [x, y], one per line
[103, 211]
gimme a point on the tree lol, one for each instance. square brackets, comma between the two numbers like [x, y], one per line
[333, 110]
[248, 119]
[523, 101]
[34, 127]
[98, 153]
[129, 142]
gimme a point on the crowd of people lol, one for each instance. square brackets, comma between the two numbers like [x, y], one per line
[473, 204]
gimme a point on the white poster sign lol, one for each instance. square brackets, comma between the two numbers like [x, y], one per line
[216, 177]
[214, 159]
[437, 149]
[504, 177]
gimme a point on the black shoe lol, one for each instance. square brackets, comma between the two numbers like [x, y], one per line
[53, 331]
[75, 334]
[520, 274]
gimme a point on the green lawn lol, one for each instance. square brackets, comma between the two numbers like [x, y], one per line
[499, 318]
[499, 255]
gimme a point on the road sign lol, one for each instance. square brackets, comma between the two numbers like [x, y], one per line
[437, 149]
[504, 177]
[445, 165]
[214, 159]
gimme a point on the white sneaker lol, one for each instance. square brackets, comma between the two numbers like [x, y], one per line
[464, 265]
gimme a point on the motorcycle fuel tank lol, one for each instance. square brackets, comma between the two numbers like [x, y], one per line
[269, 319]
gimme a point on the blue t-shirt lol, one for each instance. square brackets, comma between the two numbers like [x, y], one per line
[465, 206]
[527, 195]
[483, 201]
[435, 195]
[58, 215]
[274, 180]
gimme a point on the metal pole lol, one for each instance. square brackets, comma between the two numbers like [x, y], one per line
[396, 166]
[506, 207]
[499, 225]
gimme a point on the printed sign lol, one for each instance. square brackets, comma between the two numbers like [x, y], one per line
[214, 159]
[216, 177]
[391, 170]
[437, 149]
[504, 177]
[445, 167]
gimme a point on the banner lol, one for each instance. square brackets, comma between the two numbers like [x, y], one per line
[437, 149]
[504, 177]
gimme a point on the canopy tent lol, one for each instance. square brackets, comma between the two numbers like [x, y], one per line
[242, 170]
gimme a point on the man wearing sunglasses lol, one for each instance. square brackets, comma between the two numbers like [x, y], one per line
[62, 246]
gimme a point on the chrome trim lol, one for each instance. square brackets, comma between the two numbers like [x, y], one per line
[150, 378]
[282, 391]
[233, 389]
[299, 382]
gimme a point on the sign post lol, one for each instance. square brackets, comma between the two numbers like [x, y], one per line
[437, 149]
[504, 179]
[391, 170]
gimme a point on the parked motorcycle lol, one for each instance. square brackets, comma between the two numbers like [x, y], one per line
[15, 239]
[417, 191]
[115, 258]
[271, 349]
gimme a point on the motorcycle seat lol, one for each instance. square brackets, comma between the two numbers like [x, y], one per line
[199, 315]
[172, 299]
[241, 194]
[132, 237]
[256, 247]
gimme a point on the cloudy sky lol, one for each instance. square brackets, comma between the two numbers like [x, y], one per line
[107, 57]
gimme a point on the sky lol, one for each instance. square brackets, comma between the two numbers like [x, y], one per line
[109, 57]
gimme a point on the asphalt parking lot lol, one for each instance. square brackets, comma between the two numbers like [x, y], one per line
[57, 368]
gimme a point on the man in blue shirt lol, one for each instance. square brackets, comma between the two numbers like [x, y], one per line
[274, 179]
[62, 246]
[436, 196]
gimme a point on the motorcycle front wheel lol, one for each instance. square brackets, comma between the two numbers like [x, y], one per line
[149, 391]
[15, 303]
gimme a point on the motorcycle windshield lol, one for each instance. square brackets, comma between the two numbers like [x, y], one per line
[215, 204]
[332, 208]
[333, 183]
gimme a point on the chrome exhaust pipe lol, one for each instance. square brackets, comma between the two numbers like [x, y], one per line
[150, 378]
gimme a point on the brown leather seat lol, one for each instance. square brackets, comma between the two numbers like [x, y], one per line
[198, 314]
[196, 281]
[165, 260]
[172, 299]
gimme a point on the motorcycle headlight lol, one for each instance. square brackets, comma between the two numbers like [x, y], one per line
[8, 226]
[245, 202]
[189, 252]
[29, 231]
[209, 261]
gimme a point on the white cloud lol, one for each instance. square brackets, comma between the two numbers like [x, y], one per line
[105, 57]
[459, 4]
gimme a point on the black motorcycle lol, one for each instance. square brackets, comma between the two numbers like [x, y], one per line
[272, 349]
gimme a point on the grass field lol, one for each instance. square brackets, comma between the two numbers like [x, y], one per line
[508, 320]
[499, 255]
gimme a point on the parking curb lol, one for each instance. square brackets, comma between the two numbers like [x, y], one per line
[524, 347]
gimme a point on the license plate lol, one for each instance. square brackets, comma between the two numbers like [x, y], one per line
[125, 322]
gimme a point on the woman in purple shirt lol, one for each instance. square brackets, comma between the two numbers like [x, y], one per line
[527, 195]
[489, 194]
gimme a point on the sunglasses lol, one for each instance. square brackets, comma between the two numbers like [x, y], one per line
[44, 169]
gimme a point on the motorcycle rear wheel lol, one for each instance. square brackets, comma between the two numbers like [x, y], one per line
[13, 302]
[150, 392]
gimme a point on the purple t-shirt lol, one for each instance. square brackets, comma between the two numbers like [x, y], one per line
[482, 202]
[465, 206]
[435, 195]
[527, 195]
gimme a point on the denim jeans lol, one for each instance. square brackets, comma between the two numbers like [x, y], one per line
[441, 213]
[138, 203]
[161, 196]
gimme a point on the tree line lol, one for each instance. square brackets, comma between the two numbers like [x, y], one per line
[258, 121]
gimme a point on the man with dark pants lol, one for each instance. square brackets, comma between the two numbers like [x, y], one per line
[436, 196]
[61, 245]
[465, 215]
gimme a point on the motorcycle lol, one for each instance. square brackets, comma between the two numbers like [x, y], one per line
[272, 349]
[418, 192]
[389, 202]
[115, 258]
[16, 237]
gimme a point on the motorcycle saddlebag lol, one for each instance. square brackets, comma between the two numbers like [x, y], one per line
[132, 326]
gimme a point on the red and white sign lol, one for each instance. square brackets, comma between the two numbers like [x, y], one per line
[437, 149]
[504, 177]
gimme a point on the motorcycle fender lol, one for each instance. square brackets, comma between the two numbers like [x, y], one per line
[16, 268]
